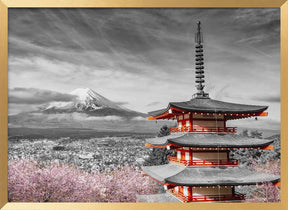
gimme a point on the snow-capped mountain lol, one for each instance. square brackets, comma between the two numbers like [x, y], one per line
[86, 110]
[90, 102]
[87, 98]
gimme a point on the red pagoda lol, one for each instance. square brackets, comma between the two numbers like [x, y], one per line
[202, 170]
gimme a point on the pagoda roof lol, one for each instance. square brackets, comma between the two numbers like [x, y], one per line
[158, 198]
[179, 175]
[205, 104]
[168, 198]
[162, 172]
[209, 140]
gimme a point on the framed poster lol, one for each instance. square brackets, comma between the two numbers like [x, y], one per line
[78, 77]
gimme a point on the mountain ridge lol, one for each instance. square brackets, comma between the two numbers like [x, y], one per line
[87, 109]
[89, 102]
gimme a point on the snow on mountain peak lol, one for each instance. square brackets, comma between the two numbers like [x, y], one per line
[88, 97]
[82, 93]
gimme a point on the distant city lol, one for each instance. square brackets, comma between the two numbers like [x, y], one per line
[94, 154]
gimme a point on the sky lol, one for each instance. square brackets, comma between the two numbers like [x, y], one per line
[144, 58]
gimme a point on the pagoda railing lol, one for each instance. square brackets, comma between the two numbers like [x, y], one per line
[206, 198]
[180, 196]
[192, 163]
[203, 198]
[203, 130]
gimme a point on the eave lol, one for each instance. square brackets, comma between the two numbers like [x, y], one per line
[208, 140]
[175, 175]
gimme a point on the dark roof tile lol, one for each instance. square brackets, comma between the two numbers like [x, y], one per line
[158, 198]
[209, 140]
[180, 175]
[211, 106]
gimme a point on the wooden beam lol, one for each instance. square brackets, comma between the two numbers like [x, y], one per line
[269, 147]
[262, 114]
[151, 145]
[151, 118]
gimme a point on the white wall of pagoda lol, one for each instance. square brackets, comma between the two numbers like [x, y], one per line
[182, 190]
[211, 116]
[201, 121]
[204, 193]
[208, 124]
[215, 190]
[209, 156]
[186, 154]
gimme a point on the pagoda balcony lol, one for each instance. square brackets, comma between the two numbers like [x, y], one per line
[180, 196]
[206, 198]
[211, 198]
[199, 129]
[193, 163]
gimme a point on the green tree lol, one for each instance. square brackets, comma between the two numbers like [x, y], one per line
[245, 133]
[159, 156]
[256, 134]
[164, 131]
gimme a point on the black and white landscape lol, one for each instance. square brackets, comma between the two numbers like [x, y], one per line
[81, 81]
[138, 60]
[85, 111]
[90, 72]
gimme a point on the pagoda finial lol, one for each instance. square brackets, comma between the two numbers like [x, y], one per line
[199, 63]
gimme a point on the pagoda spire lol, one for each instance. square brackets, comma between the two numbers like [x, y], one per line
[199, 64]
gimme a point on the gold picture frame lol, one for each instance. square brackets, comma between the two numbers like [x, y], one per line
[5, 4]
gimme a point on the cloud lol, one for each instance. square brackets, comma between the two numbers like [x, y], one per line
[106, 118]
[14, 109]
[260, 123]
[154, 103]
[139, 118]
[142, 56]
[269, 98]
[81, 117]
[127, 40]
[36, 96]
[121, 103]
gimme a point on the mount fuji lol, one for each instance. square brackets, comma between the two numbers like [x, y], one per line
[85, 113]
[85, 109]
[90, 102]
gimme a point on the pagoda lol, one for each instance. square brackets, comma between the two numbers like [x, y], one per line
[202, 170]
